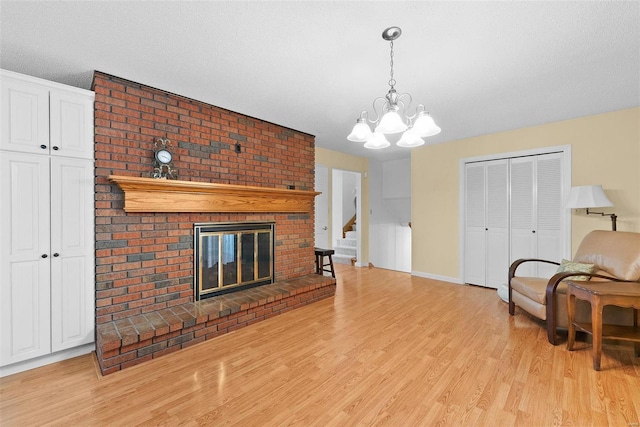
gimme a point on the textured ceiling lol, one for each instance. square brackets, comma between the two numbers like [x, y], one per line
[479, 67]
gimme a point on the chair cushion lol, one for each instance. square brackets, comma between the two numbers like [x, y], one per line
[532, 287]
[575, 267]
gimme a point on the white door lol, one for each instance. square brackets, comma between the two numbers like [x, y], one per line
[322, 207]
[536, 212]
[24, 257]
[497, 223]
[25, 116]
[549, 210]
[474, 242]
[72, 265]
[487, 223]
[523, 228]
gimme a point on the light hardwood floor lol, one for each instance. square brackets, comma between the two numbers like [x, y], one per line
[389, 349]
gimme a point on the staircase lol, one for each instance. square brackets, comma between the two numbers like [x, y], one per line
[346, 249]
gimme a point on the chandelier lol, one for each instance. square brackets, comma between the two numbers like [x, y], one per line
[395, 118]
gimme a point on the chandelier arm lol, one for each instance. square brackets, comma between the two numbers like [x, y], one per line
[375, 110]
[405, 105]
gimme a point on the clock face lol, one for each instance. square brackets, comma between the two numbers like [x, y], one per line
[163, 156]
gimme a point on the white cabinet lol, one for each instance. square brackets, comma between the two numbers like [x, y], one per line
[512, 209]
[486, 223]
[47, 260]
[40, 118]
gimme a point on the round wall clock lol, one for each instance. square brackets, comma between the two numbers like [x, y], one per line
[164, 156]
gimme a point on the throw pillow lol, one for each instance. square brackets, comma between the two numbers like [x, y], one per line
[570, 266]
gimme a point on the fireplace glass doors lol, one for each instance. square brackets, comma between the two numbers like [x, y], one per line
[232, 256]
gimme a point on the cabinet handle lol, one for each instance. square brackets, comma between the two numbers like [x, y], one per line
[56, 255]
[44, 147]
[44, 255]
[55, 148]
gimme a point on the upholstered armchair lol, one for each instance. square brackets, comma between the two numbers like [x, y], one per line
[615, 256]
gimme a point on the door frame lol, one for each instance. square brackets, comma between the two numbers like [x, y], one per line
[336, 209]
[565, 187]
[327, 194]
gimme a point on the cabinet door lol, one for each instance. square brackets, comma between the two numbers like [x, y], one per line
[72, 263]
[24, 257]
[71, 124]
[24, 112]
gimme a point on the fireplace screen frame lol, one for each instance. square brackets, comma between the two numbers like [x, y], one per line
[206, 233]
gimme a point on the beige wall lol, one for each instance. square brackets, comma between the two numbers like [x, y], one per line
[336, 160]
[605, 150]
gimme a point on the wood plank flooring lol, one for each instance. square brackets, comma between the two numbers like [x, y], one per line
[389, 349]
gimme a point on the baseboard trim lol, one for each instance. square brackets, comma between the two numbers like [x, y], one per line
[46, 360]
[437, 277]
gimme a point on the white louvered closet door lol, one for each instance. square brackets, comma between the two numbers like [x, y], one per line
[487, 223]
[474, 242]
[497, 223]
[523, 214]
[536, 212]
[549, 210]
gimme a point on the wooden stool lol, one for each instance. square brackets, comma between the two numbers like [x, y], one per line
[320, 265]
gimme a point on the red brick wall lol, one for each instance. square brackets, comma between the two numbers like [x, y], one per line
[144, 261]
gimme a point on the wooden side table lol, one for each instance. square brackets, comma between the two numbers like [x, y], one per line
[599, 294]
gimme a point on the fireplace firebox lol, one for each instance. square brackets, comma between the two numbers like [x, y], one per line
[232, 256]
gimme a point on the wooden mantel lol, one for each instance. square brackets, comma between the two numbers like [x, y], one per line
[164, 195]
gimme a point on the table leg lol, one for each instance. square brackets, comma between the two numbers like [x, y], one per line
[571, 315]
[636, 345]
[596, 326]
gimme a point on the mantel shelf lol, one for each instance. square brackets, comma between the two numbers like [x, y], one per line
[164, 195]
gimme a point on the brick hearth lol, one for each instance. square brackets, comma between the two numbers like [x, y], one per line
[130, 341]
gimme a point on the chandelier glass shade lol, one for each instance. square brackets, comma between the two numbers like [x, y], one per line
[392, 115]
[377, 141]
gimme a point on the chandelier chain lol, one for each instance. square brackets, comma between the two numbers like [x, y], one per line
[392, 81]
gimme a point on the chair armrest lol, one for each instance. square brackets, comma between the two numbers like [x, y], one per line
[515, 264]
[512, 273]
[555, 280]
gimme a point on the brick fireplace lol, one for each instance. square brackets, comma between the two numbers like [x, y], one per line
[144, 260]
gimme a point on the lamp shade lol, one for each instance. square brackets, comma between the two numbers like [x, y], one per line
[410, 139]
[391, 122]
[587, 196]
[377, 141]
[361, 132]
[425, 126]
